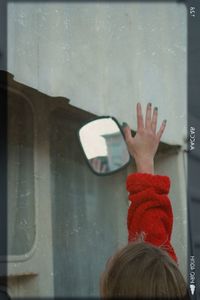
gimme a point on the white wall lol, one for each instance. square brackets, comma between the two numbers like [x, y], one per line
[105, 57]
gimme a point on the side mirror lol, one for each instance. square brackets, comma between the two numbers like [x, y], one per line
[103, 144]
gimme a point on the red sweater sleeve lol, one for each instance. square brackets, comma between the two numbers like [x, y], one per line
[150, 211]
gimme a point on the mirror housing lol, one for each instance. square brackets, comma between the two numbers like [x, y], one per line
[103, 144]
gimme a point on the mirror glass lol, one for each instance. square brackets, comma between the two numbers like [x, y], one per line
[104, 145]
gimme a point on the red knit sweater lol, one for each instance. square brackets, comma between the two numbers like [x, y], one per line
[150, 211]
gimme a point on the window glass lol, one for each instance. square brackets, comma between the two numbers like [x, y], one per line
[20, 183]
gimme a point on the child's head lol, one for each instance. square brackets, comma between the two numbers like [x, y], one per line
[142, 271]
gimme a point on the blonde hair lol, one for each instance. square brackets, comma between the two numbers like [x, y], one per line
[143, 271]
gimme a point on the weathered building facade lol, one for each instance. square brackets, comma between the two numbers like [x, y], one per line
[63, 221]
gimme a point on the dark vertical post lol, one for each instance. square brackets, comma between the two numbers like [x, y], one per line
[3, 144]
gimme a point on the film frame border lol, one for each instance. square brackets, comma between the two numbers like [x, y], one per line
[193, 108]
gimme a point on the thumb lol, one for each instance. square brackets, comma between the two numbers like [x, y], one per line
[127, 132]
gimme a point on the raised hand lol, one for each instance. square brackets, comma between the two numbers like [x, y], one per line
[143, 146]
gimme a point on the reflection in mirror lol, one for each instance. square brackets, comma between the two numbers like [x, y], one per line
[104, 145]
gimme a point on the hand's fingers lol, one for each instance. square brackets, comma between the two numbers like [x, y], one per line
[148, 116]
[161, 130]
[140, 122]
[154, 119]
[127, 133]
